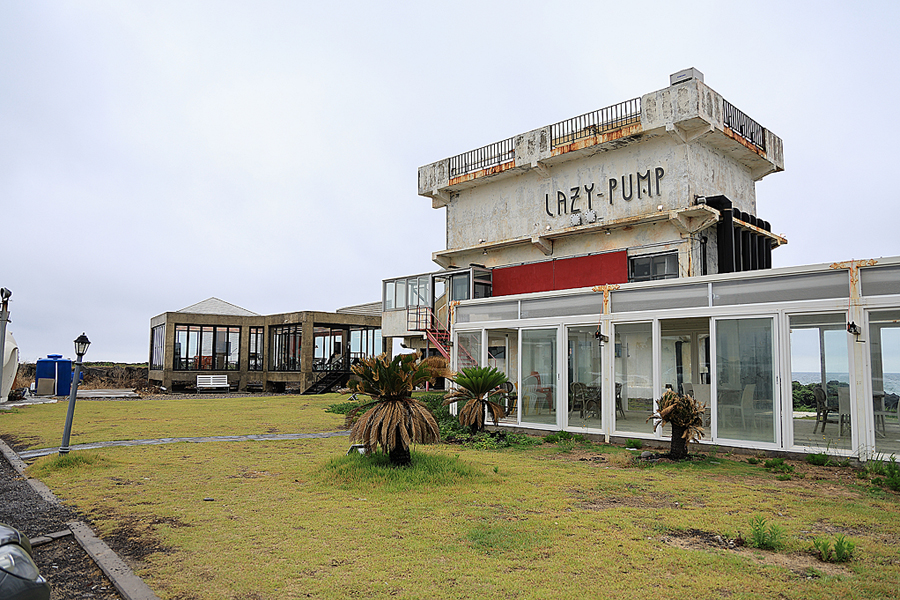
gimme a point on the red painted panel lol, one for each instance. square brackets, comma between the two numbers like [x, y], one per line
[521, 279]
[562, 274]
[588, 271]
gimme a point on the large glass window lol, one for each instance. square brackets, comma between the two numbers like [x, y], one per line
[285, 347]
[389, 295]
[503, 354]
[157, 347]
[468, 354]
[459, 287]
[634, 377]
[820, 381]
[407, 291]
[884, 341]
[539, 387]
[585, 377]
[363, 343]
[256, 349]
[650, 268]
[685, 360]
[206, 348]
[745, 390]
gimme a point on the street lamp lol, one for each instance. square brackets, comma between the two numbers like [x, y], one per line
[81, 346]
[4, 319]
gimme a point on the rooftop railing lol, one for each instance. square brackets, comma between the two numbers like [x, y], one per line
[491, 155]
[595, 123]
[744, 126]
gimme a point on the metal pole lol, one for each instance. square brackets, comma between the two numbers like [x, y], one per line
[70, 412]
[4, 319]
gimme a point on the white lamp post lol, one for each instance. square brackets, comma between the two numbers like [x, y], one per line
[81, 346]
[4, 319]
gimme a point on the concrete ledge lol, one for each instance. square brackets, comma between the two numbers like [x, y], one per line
[123, 578]
[42, 490]
[129, 585]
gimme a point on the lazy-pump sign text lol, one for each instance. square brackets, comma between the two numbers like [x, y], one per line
[572, 202]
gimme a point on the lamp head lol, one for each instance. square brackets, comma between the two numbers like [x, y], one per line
[5, 294]
[81, 344]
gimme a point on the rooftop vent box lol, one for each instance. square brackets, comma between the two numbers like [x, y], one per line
[685, 75]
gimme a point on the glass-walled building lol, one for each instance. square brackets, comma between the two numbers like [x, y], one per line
[799, 359]
[313, 351]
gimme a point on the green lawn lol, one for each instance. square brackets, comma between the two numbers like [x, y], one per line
[297, 519]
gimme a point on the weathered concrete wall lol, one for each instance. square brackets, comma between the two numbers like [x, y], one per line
[525, 205]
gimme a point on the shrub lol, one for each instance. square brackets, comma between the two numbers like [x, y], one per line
[820, 459]
[841, 551]
[886, 473]
[777, 465]
[342, 408]
[637, 444]
[558, 436]
[765, 537]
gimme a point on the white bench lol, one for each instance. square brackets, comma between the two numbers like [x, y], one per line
[212, 382]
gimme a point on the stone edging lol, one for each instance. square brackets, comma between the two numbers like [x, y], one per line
[129, 585]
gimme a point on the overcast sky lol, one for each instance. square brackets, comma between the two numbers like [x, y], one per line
[154, 154]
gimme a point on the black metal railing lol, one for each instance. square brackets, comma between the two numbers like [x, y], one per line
[491, 155]
[596, 122]
[744, 126]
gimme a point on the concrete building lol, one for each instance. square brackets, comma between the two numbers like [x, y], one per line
[310, 350]
[656, 187]
[601, 260]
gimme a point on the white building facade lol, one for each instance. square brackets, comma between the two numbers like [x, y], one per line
[599, 260]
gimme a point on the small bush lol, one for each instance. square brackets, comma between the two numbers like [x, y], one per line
[753, 460]
[777, 465]
[885, 474]
[342, 408]
[765, 536]
[520, 440]
[556, 437]
[820, 459]
[485, 441]
[636, 444]
[840, 551]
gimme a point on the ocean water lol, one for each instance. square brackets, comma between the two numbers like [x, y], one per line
[891, 380]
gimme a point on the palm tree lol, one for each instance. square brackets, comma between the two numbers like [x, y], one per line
[475, 387]
[393, 419]
[686, 417]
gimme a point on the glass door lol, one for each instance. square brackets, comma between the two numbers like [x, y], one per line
[539, 388]
[884, 342]
[585, 376]
[634, 396]
[745, 403]
[820, 381]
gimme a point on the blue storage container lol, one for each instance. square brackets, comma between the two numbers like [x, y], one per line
[58, 369]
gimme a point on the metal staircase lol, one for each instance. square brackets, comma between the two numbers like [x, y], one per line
[328, 382]
[423, 319]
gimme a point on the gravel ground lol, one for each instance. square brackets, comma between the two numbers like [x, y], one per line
[71, 572]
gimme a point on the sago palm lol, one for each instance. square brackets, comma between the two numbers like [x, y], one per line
[475, 387]
[685, 415]
[393, 419]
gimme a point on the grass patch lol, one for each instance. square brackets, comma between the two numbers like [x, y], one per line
[374, 470]
[460, 523]
[504, 537]
[98, 420]
[63, 462]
